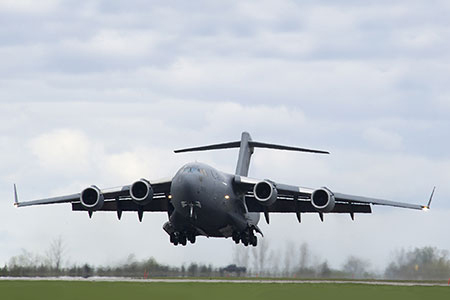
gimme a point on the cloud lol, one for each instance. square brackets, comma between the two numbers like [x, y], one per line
[29, 6]
[62, 149]
[383, 139]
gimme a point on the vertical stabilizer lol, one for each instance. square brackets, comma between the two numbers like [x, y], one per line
[245, 153]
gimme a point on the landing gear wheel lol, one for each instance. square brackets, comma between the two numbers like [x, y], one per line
[253, 240]
[245, 239]
[174, 239]
[183, 240]
[236, 237]
[192, 239]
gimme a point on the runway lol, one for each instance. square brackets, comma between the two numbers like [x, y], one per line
[237, 281]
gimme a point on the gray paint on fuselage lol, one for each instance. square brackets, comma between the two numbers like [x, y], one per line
[205, 199]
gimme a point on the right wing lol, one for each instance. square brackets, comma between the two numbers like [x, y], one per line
[296, 199]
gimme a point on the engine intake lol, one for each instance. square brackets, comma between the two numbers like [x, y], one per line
[92, 198]
[323, 200]
[141, 192]
[265, 192]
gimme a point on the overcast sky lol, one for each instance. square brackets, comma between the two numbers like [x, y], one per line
[101, 92]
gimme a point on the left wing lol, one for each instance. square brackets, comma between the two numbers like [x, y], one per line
[268, 196]
[142, 195]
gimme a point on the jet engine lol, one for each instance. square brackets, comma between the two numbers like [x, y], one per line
[141, 192]
[323, 200]
[265, 192]
[92, 198]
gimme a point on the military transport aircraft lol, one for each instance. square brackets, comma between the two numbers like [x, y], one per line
[203, 201]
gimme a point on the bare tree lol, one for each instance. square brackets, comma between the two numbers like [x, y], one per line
[305, 256]
[274, 261]
[356, 267]
[260, 256]
[241, 256]
[289, 254]
[25, 259]
[55, 253]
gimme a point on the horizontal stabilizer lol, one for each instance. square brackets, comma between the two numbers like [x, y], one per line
[211, 147]
[251, 144]
[281, 147]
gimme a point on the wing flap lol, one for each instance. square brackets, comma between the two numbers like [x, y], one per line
[304, 206]
[160, 204]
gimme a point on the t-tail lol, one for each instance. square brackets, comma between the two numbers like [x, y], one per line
[246, 147]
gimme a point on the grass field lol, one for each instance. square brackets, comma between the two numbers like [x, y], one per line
[83, 290]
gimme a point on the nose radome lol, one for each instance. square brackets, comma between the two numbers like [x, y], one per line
[190, 186]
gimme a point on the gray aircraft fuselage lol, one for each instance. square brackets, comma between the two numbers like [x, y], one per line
[206, 203]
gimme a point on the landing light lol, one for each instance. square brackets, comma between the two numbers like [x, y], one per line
[227, 197]
[170, 196]
[425, 208]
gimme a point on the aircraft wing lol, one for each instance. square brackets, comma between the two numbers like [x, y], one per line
[115, 199]
[299, 199]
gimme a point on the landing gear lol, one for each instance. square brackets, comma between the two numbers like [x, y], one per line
[181, 238]
[191, 237]
[247, 237]
[174, 239]
[236, 237]
[253, 240]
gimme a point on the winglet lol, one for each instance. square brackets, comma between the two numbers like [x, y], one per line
[429, 201]
[16, 199]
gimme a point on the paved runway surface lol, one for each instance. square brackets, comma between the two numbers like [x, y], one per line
[255, 281]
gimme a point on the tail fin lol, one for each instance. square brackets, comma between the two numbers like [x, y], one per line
[246, 147]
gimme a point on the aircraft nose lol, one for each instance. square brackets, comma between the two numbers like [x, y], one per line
[189, 187]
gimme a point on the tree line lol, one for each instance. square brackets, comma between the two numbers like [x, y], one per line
[420, 263]
[299, 261]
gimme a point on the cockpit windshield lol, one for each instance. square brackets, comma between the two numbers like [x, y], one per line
[191, 170]
[194, 169]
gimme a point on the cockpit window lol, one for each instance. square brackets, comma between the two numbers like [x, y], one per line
[214, 174]
[192, 169]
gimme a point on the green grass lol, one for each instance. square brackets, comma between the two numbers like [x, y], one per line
[48, 290]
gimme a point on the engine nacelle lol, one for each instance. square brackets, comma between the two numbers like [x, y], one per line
[265, 192]
[141, 192]
[323, 200]
[92, 198]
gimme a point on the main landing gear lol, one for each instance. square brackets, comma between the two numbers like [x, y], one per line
[182, 238]
[247, 237]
